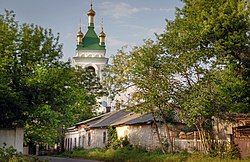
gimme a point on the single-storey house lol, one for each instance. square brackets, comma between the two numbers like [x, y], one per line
[139, 128]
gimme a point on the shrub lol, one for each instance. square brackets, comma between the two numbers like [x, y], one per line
[9, 154]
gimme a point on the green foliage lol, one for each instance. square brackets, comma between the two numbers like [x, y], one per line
[208, 42]
[38, 90]
[199, 67]
[198, 157]
[11, 155]
[114, 142]
[112, 138]
[128, 154]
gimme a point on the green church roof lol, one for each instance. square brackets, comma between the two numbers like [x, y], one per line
[90, 41]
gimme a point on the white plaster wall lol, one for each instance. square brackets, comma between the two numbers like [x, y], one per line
[12, 137]
[71, 135]
[96, 138]
[139, 135]
[98, 61]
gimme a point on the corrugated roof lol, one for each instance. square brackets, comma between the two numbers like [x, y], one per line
[110, 119]
[115, 118]
[126, 118]
[146, 118]
[93, 120]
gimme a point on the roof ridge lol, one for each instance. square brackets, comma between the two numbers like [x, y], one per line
[111, 113]
[91, 119]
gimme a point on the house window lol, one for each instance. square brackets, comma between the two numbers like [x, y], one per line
[89, 139]
[70, 143]
[83, 139]
[104, 137]
[79, 141]
[65, 144]
[74, 142]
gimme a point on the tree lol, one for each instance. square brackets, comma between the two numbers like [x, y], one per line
[37, 90]
[199, 65]
[209, 41]
[143, 68]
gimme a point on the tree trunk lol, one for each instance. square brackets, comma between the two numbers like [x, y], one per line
[170, 139]
[163, 149]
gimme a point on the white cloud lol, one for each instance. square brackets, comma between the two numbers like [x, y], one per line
[142, 31]
[115, 43]
[166, 9]
[121, 9]
[132, 26]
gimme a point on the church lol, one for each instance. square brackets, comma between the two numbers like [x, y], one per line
[91, 54]
[93, 133]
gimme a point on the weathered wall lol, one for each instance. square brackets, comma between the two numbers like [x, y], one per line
[12, 137]
[139, 135]
[96, 138]
[243, 146]
[80, 138]
[69, 140]
[187, 144]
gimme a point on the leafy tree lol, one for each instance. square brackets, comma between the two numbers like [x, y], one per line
[199, 65]
[143, 68]
[37, 90]
[209, 44]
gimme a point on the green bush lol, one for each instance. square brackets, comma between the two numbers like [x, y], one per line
[9, 154]
[124, 154]
[132, 154]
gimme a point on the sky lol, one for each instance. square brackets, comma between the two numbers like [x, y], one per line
[126, 22]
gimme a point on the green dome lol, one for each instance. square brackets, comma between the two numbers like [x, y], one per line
[90, 41]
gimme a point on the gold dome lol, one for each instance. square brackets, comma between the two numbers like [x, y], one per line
[91, 12]
[80, 34]
[102, 34]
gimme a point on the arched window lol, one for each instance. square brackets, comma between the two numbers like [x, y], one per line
[91, 69]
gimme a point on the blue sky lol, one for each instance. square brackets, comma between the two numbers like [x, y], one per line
[126, 22]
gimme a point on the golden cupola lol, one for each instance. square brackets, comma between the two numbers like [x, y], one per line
[91, 14]
[79, 36]
[102, 36]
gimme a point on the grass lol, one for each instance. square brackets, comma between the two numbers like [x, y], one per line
[198, 157]
[138, 155]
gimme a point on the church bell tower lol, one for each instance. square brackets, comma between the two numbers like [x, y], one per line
[91, 51]
[91, 48]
